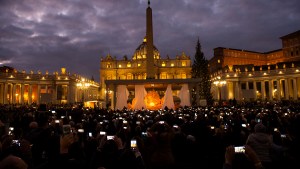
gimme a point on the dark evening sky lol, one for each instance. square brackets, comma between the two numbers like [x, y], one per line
[50, 34]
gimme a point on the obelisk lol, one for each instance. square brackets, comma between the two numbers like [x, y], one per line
[149, 44]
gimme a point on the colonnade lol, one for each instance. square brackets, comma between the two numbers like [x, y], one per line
[26, 93]
[272, 88]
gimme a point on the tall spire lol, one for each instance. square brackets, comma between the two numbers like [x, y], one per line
[149, 43]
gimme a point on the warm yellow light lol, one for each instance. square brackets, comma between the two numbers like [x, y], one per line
[172, 64]
[152, 100]
[120, 66]
[163, 64]
[139, 65]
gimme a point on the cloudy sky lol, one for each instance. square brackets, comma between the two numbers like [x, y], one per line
[50, 34]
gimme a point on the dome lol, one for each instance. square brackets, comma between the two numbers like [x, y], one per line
[141, 51]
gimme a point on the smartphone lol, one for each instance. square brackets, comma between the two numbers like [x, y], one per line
[102, 133]
[66, 129]
[239, 149]
[138, 122]
[133, 143]
[56, 121]
[275, 129]
[175, 126]
[212, 127]
[283, 136]
[90, 134]
[110, 137]
[144, 134]
[225, 126]
[16, 142]
[80, 130]
[161, 122]
[244, 125]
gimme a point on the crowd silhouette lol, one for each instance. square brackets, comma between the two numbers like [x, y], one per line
[246, 135]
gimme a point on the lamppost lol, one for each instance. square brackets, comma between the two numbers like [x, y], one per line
[220, 84]
[82, 85]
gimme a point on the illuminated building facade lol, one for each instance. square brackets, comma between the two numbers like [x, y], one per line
[60, 88]
[145, 67]
[248, 75]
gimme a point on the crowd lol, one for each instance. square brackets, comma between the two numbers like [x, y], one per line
[248, 135]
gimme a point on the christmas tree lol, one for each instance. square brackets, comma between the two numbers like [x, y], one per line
[200, 71]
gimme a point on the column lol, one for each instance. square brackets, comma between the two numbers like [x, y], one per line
[54, 97]
[278, 89]
[254, 90]
[70, 91]
[225, 92]
[22, 93]
[38, 94]
[290, 88]
[286, 89]
[114, 98]
[30, 94]
[270, 89]
[295, 89]
[263, 90]
[14, 98]
[298, 87]
[5, 101]
[107, 97]
[236, 90]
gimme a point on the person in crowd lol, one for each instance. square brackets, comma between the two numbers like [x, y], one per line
[185, 137]
[261, 142]
[8, 160]
[241, 159]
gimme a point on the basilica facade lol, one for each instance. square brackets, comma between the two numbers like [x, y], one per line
[145, 67]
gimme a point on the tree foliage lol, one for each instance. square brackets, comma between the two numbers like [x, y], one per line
[200, 70]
